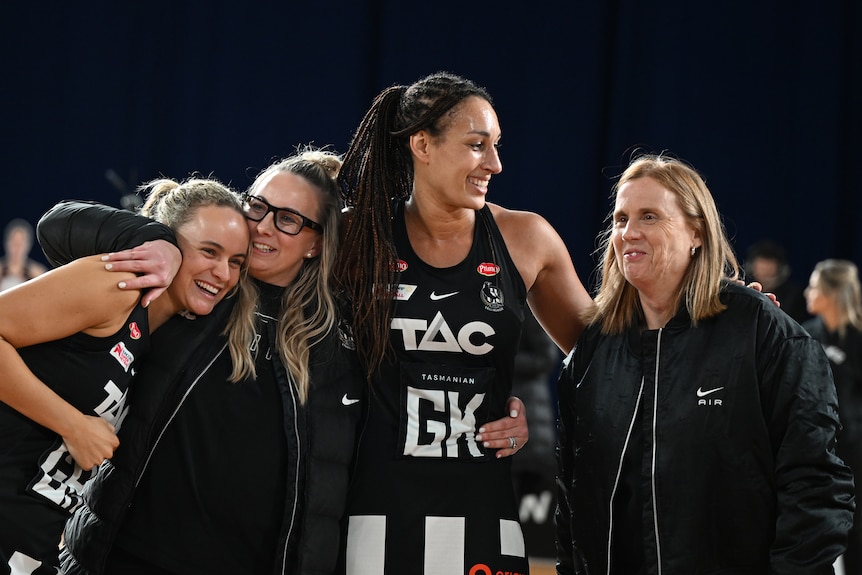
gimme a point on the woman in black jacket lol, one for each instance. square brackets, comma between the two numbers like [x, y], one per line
[697, 421]
[221, 471]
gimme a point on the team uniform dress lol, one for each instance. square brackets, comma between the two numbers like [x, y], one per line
[40, 484]
[426, 497]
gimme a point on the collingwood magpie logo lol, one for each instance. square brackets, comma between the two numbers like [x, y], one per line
[492, 297]
[345, 335]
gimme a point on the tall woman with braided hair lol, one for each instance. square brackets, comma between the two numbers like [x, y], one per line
[438, 279]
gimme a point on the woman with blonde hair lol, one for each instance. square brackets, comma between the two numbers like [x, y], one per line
[221, 476]
[70, 343]
[697, 421]
[833, 298]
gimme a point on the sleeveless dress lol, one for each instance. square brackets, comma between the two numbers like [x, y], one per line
[427, 498]
[40, 484]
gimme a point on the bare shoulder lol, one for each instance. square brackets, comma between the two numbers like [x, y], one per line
[36, 268]
[522, 226]
[533, 243]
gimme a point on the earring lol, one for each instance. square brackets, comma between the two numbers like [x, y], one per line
[308, 255]
[693, 249]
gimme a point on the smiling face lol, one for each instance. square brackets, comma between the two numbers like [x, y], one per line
[652, 238]
[276, 257]
[456, 167]
[214, 243]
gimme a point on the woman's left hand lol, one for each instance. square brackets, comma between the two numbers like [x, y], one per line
[509, 434]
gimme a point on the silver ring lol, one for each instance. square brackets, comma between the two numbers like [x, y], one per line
[512, 443]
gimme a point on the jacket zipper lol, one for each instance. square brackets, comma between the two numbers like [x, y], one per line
[173, 415]
[632, 423]
[652, 466]
[299, 455]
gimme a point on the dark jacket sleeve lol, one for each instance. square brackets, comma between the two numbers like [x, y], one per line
[75, 228]
[562, 515]
[814, 487]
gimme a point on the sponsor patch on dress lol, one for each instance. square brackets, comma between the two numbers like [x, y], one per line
[492, 297]
[134, 330]
[122, 354]
[404, 292]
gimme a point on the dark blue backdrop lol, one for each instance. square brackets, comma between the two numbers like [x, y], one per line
[765, 98]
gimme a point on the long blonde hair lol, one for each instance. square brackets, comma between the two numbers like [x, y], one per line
[308, 309]
[617, 302]
[173, 204]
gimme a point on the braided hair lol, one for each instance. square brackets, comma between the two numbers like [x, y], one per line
[376, 174]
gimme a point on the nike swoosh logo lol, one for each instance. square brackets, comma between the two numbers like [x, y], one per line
[702, 393]
[347, 401]
[435, 297]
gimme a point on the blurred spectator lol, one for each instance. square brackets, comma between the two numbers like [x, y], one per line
[16, 266]
[538, 357]
[833, 296]
[767, 263]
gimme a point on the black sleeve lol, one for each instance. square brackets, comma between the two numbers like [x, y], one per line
[570, 558]
[76, 228]
[563, 514]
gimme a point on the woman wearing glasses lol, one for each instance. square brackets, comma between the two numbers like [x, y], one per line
[250, 477]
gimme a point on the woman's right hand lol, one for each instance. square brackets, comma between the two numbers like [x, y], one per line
[92, 442]
[155, 262]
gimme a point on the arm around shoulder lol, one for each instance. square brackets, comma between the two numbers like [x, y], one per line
[76, 228]
[556, 294]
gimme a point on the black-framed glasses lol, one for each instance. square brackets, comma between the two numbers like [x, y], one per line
[287, 220]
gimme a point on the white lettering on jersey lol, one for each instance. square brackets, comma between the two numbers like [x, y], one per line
[439, 336]
[113, 409]
[60, 479]
[435, 423]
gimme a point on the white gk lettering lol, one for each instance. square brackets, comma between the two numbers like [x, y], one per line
[417, 335]
[436, 423]
[60, 479]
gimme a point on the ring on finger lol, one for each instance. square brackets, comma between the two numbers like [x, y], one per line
[513, 444]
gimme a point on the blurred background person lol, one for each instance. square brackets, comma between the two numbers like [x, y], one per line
[833, 298]
[537, 359]
[16, 266]
[767, 262]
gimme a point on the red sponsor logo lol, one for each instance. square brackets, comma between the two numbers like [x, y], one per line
[122, 355]
[488, 269]
[481, 569]
[134, 330]
[399, 266]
